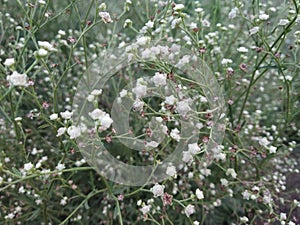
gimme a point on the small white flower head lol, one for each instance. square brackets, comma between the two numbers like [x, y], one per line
[189, 210]
[142, 41]
[159, 79]
[199, 194]
[123, 93]
[231, 172]
[253, 30]
[105, 16]
[47, 46]
[157, 190]
[194, 148]
[178, 7]
[74, 132]
[63, 201]
[53, 116]
[61, 131]
[233, 12]
[140, 90]
[246, 195]
[283, 22]
[187, 157]
[149, 24]
[41, 52]
[283, 216]
[9, 62]
[138, 105]
[175, 23]
[226, 61]
[60, 166]
[242, 49]
[145, 209]
[244, 219]
[170, 100]
[17, 79]
[272, 149]
[196, 222]
[66, 115]
[96, 114]
[205, 23]
[291, 223]
[182, 107]
[96, 92]
[224, 182]
[151, 144]
[263, 16]
[90, 98]
[28, 166]
[171, 171]
[263, 141]
[175, 134]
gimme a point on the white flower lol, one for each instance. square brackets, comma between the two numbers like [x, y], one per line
[53, 116]
[63, 201]
[242, 49]
[170, 100]
[123, 93]
[175, 134]
[157, 190]
[149, 24]
[283, 216]
[189, 210]
[171, 171]
[253, 30]
[233, 12]
[199, 194]
[96, 92]
[224, 182]
[193, 148]
[244, 219]
[138, 105]
[246, 195]
[47, 46]
[66, 115]
[205, 23]
[263, 16]
[183, 107]
[187, 157]
[105, 17]
[283, 22]
[28, 166]
[17, 79]
[140, 90]
[42, 52]
[272, 149]
[196, 222]
[96, 114]
[263, 142]
[90, 98]
[178, 7]
[143, 40]
[151, 144]
[60, 166]
[61, 131]
[226, 61]
[1, 180]
[291, 223]
[74, 132]
[159, 79]
[62, 32]
[145, 209]
[175, 23]
[9, 62]
[106, 122]
[231, 172]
